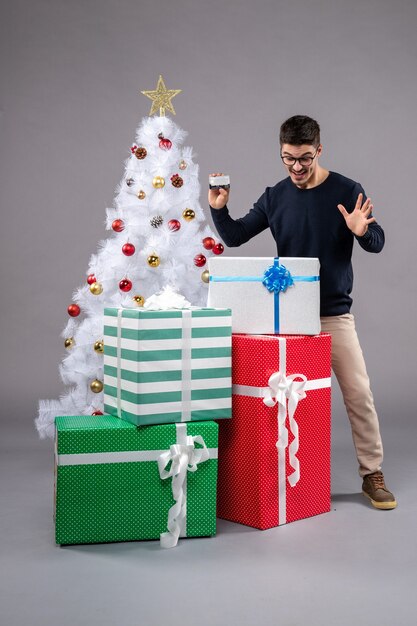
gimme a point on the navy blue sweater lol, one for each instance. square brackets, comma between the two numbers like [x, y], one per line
[307, 223]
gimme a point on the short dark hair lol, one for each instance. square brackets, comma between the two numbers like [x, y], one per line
[299, 130]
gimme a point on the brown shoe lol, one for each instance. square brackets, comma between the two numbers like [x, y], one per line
[373, 487]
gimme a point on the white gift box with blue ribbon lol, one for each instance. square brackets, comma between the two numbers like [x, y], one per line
[278, 295]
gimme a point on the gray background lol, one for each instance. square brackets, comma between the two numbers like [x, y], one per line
[71, 73]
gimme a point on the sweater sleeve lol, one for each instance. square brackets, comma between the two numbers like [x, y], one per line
[374, 238]
[237, 232]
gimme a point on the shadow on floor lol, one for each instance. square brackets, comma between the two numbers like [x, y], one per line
[355, 498]
[231, 527]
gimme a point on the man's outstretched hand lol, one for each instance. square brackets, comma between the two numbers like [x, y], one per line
[359, 219]
[218, 198]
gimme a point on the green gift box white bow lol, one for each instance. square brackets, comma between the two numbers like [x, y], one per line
[115, 482]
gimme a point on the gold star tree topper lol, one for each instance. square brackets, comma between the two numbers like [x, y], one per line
[161, 98]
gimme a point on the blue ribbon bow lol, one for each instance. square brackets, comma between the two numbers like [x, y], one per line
[277, 278]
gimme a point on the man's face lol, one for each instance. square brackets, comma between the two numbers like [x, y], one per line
[303, 171]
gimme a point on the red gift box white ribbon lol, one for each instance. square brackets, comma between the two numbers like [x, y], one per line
[285, 391]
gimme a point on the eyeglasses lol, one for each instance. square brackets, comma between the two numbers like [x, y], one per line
[304, 160]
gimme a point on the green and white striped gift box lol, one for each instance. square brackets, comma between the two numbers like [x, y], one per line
[167, 366]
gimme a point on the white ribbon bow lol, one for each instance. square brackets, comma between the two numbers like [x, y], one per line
[183, 458]
[167, 298]
[280, 389]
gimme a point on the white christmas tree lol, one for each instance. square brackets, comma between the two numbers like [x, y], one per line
[158, 237]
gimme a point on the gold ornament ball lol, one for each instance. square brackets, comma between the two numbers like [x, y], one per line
[183, 165]
[205, 276]
[140, 300]
[69, 342]
[99, 346]
[153, 260]
[141, 195]
[96, 386]
[96, 289]
[188, 214]
[158, 182]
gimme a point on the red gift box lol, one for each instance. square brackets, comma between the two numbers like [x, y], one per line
[274, 454]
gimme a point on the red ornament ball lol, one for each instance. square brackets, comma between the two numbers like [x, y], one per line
[74, 310]
[91, 279]
[128, 249]
[164, 144]
[218, 248]
[174, 225]
[125, 285]
[118, 226]
[199, 260]
[97, 413]
[208, 243]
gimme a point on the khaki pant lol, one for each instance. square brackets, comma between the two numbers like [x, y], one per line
[349, 367]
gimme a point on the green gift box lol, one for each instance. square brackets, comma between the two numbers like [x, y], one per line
[167, 366]
[116, 482]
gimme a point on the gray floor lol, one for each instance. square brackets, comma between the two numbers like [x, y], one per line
[354, 565]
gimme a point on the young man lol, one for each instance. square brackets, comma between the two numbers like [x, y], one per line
[317, 213]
